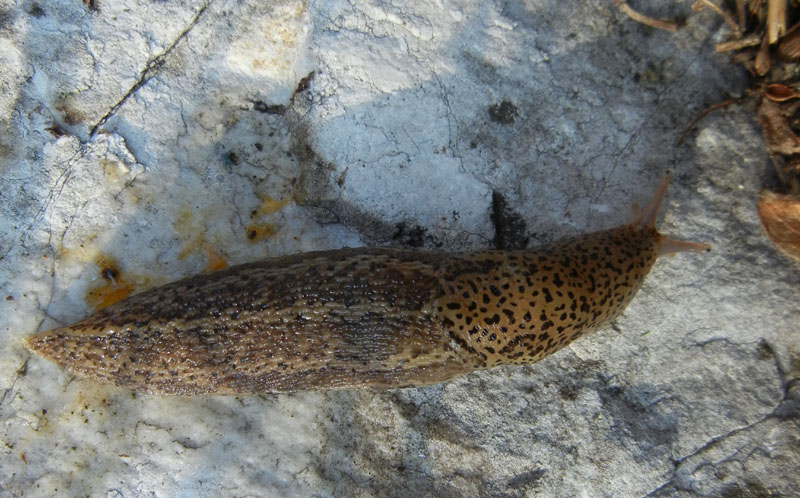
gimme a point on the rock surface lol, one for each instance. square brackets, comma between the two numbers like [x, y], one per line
[143, 141]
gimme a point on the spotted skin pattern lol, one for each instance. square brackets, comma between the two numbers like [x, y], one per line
[376, 317]
[516, 307]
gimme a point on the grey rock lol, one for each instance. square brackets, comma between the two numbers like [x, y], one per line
[156, 135]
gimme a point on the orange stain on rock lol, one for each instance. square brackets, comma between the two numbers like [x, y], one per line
[270, 205]
[214, 261]
[115, 286]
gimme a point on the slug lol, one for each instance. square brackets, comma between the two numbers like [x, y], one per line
[378, 317]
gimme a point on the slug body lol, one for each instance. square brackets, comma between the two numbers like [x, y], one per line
[377, 317]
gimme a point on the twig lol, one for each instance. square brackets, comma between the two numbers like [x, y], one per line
[741, 14]
[763, 61]
[700, 115]
[750, 40]
[729, 20]
[646, 20]
[776, 20]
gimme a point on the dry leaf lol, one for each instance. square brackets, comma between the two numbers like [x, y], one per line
[789, 46]
[778, 92]
[778, 135]
[780, 219]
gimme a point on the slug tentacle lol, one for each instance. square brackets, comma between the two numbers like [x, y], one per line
[671, 246]
[649, 215]
[376, 317]
[647, 219]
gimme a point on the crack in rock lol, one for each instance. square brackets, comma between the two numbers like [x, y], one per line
[150, 70]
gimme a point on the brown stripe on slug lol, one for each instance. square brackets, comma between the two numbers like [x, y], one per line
[376, 317]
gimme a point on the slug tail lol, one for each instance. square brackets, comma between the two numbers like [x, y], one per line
[34, 343]
[49, 344]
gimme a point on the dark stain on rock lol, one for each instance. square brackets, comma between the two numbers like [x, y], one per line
[36, 10]
[56, 131]
[303, 84]
[637, 415]
[409, 237]
[527, 480]
[110, 272]
[71, 115]
[747, 489]
[265, 108]
[503, 113]
[509, 227]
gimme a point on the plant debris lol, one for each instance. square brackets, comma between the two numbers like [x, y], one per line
[647, 20]
[770, 52]
[780, 219]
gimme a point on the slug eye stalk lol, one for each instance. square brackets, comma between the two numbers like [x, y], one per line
[647, 218]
